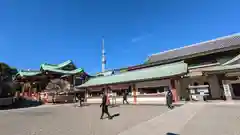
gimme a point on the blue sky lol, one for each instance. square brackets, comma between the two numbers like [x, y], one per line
[52, 31]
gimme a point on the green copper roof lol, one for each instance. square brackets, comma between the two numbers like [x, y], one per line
[156, 72]
[57, 66]
[28, 73]
[72, 72]
[52, 68]
[35, 73]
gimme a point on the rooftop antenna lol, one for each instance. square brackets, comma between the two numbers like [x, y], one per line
[103, 56]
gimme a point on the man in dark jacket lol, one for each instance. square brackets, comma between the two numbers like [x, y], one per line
[81, 99]
[125, 94]
[54, 97]
[169, 98]
[104, 105]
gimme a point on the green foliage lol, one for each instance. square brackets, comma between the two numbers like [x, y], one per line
[7, 87]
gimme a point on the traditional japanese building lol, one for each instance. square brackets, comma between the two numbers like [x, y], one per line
[213, 63]
[66, 71]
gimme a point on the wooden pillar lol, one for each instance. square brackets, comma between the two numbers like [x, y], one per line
[23, 87]
[40, 88]
[74, 80]
[178, 89]
[29, 89]
[173, 89]
[134, 90]
[86, 95]
[107, 90]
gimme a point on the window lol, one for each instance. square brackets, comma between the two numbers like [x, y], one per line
[205, 83]
[154, 90]
[118, 92]
[95, 93]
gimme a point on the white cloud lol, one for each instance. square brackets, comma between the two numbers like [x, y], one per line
[139, 38]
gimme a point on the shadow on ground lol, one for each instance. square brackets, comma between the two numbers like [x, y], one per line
[113, 116]
[169, 133]
[118, 105]
[83, 105]
[112, 106]
[22, 103]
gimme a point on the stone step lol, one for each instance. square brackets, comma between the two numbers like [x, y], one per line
[170, 122]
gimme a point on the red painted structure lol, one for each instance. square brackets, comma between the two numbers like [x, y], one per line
[174, 91]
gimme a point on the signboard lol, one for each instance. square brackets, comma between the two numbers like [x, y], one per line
[114, 94]
[204, 90]
[202, 93]
[227, 91]
[192, 91]
[199, 90]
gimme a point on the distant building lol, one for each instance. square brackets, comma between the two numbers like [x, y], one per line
[106, 73]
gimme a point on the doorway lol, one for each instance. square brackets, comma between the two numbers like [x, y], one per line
[236, 89]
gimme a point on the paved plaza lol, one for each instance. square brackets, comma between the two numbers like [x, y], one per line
[214, 120]
[189, 119]
[193, 119]
[69, 120]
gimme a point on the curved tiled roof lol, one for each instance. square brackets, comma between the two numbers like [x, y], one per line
[75, 71]
[28, 73]
[203, 47]
[57, 66]
[51, 68]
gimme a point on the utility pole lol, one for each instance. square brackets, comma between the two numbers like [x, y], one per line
[103, 56]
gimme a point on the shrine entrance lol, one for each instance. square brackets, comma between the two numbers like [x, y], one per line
[236, 89]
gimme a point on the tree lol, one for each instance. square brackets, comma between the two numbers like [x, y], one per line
[58, 85]
[7, 86]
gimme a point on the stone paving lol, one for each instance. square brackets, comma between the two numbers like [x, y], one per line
[172, 121]
[214, 120]
[193, 119]
[69, 120]
[189, 119]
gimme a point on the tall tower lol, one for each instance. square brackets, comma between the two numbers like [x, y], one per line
[103, 56]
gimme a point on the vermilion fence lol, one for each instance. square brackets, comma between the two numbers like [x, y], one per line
[43, 96]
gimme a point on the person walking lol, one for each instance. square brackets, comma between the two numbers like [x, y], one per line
[104, 105]
[169, 99]
[54, 98]
[81, 99]
[125, 94]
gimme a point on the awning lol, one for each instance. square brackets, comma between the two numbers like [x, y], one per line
[194, 74]
[234, 74]
[222, 69]
[157, 72]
